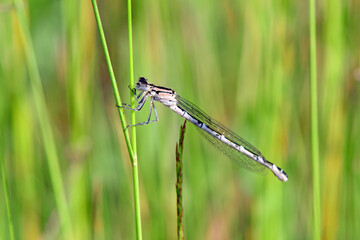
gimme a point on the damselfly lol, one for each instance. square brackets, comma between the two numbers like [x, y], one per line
[233, 146]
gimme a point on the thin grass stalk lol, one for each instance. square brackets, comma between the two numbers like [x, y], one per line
[179, 181]
[314, 123]
[7, 202]
[131, 150]
[131, 75]
[44, 121]
[133, 130]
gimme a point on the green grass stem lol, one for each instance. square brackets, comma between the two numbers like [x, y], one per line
[314, 124]
[131, 147]
[131, 75]
[133, 122]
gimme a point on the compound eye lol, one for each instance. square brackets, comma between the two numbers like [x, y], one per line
[143, 80]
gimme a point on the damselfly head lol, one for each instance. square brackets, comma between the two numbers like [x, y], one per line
[143, 80]
[142, 84]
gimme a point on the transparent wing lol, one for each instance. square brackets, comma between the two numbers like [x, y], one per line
[237, 157]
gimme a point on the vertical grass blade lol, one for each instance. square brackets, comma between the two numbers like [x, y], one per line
[133, 130]
[314, 123]
[131, 147]
[179, 181]
[131, 75]
[44, 121]
[7, 202]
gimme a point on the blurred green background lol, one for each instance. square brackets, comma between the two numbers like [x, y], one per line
[243, 62]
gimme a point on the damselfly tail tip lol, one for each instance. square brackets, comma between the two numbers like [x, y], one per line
[279, 173]
[284, 177]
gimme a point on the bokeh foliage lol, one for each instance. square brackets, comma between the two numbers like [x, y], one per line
[245, 63]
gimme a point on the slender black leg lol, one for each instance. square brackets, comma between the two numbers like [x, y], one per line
[156, 115]
[139, 107]
[133, 90]
[152, 106]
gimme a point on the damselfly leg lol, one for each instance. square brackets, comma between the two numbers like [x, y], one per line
[137, 97]
[140, 106]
